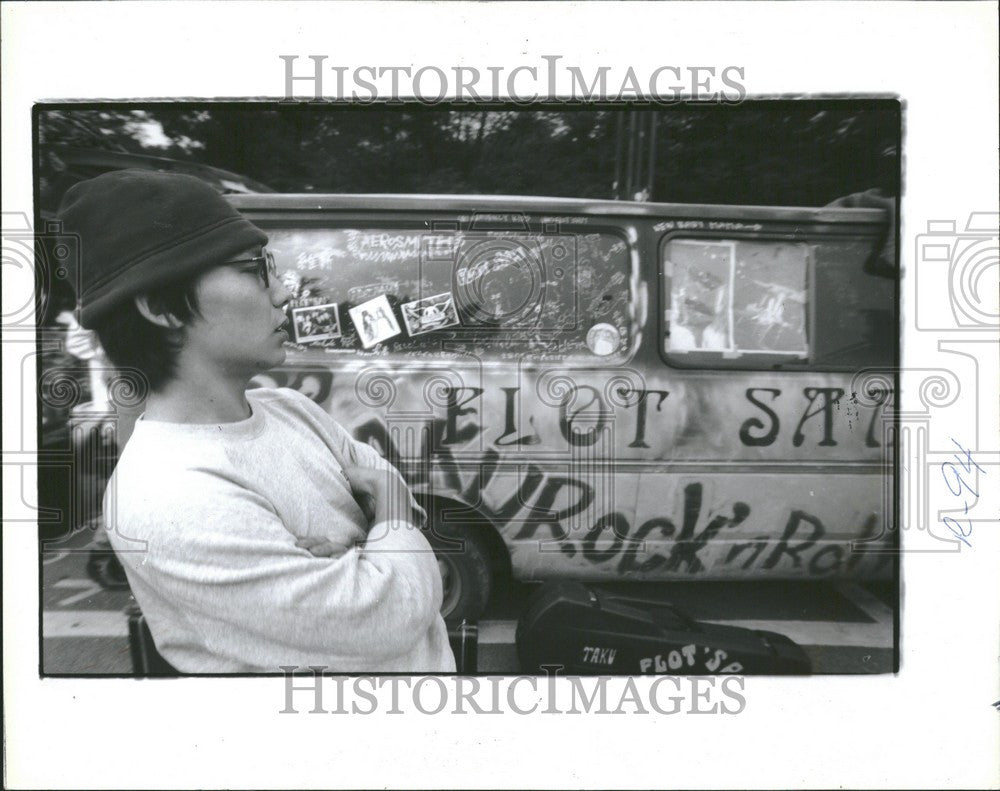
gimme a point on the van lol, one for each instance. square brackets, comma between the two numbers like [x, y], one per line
[605, 391]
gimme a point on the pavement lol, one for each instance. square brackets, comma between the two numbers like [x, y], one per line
[844, 628]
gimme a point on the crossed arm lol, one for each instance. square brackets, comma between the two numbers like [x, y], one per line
[257, 596]
[380, 491]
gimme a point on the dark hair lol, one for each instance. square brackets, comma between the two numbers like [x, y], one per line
[132, 341]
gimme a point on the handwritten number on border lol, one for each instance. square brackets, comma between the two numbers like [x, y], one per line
[956, 477]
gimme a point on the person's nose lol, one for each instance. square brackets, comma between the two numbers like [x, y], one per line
[279, 293]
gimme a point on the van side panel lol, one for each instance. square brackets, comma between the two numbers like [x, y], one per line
[599, 475]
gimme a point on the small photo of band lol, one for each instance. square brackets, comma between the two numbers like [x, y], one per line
[316, 323]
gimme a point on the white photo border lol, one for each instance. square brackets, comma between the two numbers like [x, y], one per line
[930, 725]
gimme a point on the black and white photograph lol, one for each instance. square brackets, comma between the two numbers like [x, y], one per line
[681, 362]
[703, 274]
[374, 321]
[316, 323]
[367, 387]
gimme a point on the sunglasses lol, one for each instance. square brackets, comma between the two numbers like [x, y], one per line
[266, 268]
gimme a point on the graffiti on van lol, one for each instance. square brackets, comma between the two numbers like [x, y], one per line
[594, 475]
[536, 506]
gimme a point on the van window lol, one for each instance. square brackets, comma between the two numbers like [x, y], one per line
[760, 304]
[496, 294]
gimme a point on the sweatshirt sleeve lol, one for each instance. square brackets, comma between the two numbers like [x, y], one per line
[365, 455]
[351, 451]
[222, 556]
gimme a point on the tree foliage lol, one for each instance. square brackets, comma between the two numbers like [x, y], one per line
[803, 152]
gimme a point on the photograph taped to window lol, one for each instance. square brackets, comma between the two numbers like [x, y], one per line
[701, 296]
[374, 321]
[769, 298]
[316, 323]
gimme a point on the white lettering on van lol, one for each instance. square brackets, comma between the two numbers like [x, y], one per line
[595, 655]
[713, 225]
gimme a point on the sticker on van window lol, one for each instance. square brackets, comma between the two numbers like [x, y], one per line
[430, 313]
[316, 323]
[603, 339]
[374, 321]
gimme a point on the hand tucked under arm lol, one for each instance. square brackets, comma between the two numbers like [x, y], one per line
[321, 547]
[382, 495]
[352, 453]
[384, 489]
[367, 458]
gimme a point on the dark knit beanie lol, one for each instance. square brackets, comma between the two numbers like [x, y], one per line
[140, 229]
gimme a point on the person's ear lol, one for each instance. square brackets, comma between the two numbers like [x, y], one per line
[158, 317]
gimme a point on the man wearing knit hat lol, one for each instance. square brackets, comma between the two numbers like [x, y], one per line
[272, 538]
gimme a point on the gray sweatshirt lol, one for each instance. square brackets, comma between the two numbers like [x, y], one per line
[205, 520]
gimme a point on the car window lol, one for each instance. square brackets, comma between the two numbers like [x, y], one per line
[766, 303]
[497, 294]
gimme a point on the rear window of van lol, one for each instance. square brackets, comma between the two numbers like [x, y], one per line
[774, 303]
